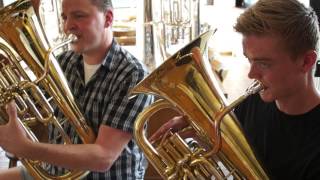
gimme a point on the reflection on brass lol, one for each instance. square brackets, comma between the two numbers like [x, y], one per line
[185, 83]
[125, 37]
[125, 32]
[30, 75]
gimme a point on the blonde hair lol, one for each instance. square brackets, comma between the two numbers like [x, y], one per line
[296, 25]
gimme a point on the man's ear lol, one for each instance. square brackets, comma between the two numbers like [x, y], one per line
[309, 59]
[109, 18]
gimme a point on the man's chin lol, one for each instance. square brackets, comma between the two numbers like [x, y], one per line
[266, 97]
[76, 49]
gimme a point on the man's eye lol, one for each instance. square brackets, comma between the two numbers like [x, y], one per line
[64, 18]
[263, 65]
[77, 16]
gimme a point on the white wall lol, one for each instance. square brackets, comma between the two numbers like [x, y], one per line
[6, 2]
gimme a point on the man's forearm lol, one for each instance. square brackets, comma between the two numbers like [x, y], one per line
[71, 156]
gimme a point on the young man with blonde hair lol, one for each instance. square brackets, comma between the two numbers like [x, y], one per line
[280, 40]
[282, 122]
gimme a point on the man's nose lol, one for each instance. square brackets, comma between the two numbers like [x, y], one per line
[254, 72]
[69, 26]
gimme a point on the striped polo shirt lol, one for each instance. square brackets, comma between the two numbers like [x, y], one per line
[104, 100]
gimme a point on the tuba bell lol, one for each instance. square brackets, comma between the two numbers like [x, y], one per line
[186, 83]
[30, 75]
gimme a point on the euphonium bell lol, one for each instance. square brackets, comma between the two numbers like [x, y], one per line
[30, 75]
[186, 83]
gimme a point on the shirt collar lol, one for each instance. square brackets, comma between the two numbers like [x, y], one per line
[111, 55]
[107, 62]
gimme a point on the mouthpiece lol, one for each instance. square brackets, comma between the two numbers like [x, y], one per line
[254, 88]
[72, 38]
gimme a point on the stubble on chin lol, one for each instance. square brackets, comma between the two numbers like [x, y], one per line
[266, 97]
[76, 48]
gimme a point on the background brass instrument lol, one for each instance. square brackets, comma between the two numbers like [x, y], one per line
[185, 82]
[168, 26]
[30, 74]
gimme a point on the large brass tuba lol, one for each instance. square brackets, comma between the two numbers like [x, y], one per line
[30, 74]
[186, 83]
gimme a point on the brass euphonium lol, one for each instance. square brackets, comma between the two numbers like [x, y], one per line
[186, 83]
[30, 75]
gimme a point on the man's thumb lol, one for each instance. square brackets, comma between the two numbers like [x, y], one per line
[11, 110]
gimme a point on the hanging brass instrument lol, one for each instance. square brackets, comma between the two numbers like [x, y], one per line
[30, 74]
[186, 83]
[168, 26]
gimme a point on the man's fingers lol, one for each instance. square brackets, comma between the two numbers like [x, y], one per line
[14, 122]
[11, 110]
[177, 123]
[155, 136]
[163, 129]
[158, 133]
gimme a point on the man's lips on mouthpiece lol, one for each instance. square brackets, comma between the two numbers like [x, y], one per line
[74, 38]
[264, 88]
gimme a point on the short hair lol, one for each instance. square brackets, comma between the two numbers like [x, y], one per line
[315, 4]
[290, 20]
[103, 5]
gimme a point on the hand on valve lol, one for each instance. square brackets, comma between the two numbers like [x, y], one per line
[175, 124]
[13, 137]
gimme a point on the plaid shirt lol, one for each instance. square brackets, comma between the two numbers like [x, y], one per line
[104, 100]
